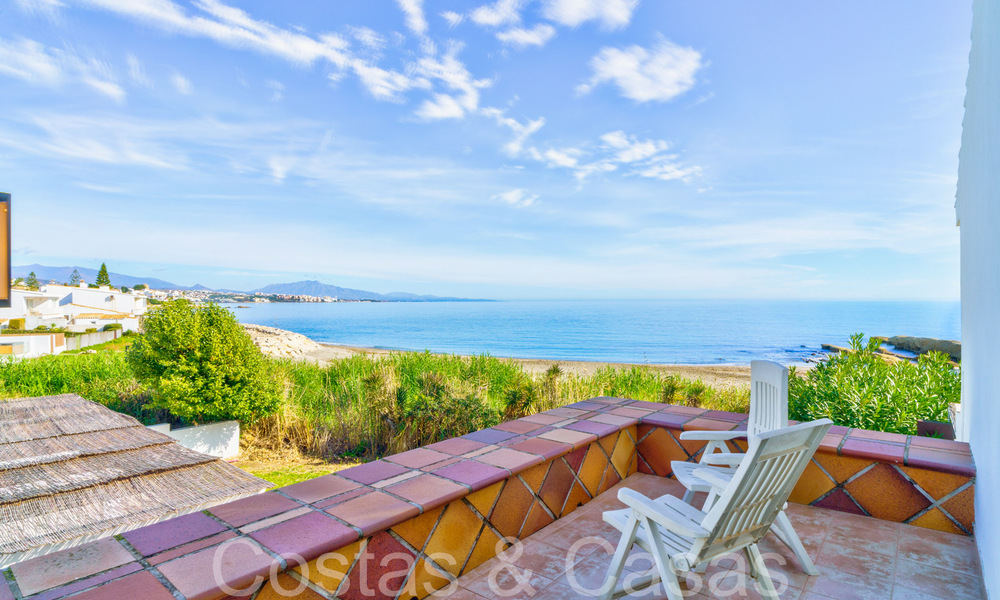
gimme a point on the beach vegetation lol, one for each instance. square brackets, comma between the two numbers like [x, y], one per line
[859, 388]
[202, 366]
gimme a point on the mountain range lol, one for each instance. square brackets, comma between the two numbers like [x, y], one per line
[44, 274]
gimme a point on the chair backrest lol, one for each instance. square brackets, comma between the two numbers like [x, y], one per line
[759, 489]
[768, 397]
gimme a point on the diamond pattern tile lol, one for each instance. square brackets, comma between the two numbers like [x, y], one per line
[380, 571]
[537, 518]
[592, 470]
[886, 494]
[454, 536]
[484, 499]
[658, 449]
[512, 506]
[557, 485]
[415, 531]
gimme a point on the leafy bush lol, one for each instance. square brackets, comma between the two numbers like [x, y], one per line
[90, 330]
[113, 327]
[202, 365]
[860, 389]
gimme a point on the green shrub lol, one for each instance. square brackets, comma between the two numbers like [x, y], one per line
[90, 330]
[202, 365]
[860, 389]
[113, 327]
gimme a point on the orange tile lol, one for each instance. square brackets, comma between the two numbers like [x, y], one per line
[537, 518]
[536, 475]
[935, 519]
[592, 470]
[608, 442]
[961, 507]
[578, 496]
[425, 579]
[331, 568]
[284, 586]
[886, 494]
[611, 479]
[621, 458]
[841, 467]
[659, 449]
[936, 483]
[454, 536]
[811, 485]
[556, 487]
[485, 498]
[416, 530]
[511, 508]
[486, 548]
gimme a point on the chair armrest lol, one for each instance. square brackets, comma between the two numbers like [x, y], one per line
[712, 436]
[713, 478]
[663, 515]
[723, 459]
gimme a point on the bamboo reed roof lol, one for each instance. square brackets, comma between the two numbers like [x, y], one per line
[72, 470]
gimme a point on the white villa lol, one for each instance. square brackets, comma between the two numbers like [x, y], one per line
[74, 308]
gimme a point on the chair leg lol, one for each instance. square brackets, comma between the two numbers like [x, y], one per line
[618, 560]
[671, 584]
[688, 497]
[786, 533]
[761, 576]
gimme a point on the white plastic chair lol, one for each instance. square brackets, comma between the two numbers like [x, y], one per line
[768, 411]
[681, 537]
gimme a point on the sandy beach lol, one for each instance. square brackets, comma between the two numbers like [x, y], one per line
[714, 375]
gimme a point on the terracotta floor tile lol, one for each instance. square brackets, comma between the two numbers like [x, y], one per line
[429, 491]
[936, 582]
[79, 584]
[140, 585]
[473, 473]
[489, 436]
[168, 534]
[254, 508]
[374, 512]
[518, 426]
[851, 560]
[510, 459]
[507, 585]
[944, 550]
[455, 446]
[372, 472]
[842, 585]
[61, 567]
[192, 547]
[240, 562]
[545, 448]
[305, 537]
[278, 518]
[737, 585]
[568, 436]
[319, 488]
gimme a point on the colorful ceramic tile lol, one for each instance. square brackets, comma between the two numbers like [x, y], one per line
[374, 512]
[424, 581]
[658, 450]
[578, 496]
[961, 507]
[608, 443]
[58, 568]
[380, 571]
[191, 547]
[624, 450]
[454, 537]
[592, 469]
[305, 537]
[484, 499]
[473, 474]
[319, 488]
[537, 518]
[886, 494]
[168, 534]
[415, 531]
[514, 461]
[283, 587]
[568, 436]
[372, 472]
[518, 426]
[839, 500]
[75, 586]
[811, 485]
[935, 519]
[575, 458]
[940, 460]
[556, 486]
[254, 508]
[598, 429]
[418, 458]
[429, 491]
[329, 570]
[139, 585]
[534, 476]
[841, 468]
[542, 447]
[666, 419]
[236, 563]
[511, 508]
[875, 450]
[611, 479]
[487, 546]
[488, 436]
[455, 446]
[936, 483]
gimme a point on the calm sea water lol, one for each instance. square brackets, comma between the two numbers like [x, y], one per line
[655, 331]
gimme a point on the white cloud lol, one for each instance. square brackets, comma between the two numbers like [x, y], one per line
[368, 37]
[644, 75]
[517, 198]
[611, 14]
[277, 90]
[454, 75]
[442, 106]
[45, 8]
[561, 158]
[181, 83]
[454, 19]
[414, 12]
[539, 35]
[34, 63]
[383, 84]
[501, 12]
[136, 71]
[522, 131]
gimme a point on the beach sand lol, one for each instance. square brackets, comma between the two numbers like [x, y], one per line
[713, 375]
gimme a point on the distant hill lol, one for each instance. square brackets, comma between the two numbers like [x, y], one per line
[62, 275]
[316, 288]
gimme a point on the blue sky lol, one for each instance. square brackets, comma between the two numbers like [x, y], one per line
[513, 149]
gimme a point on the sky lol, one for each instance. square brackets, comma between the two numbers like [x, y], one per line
[510, 149]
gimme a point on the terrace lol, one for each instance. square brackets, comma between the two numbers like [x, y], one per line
[883, 516]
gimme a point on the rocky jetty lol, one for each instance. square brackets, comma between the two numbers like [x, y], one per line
[919, 345]
[280, 343]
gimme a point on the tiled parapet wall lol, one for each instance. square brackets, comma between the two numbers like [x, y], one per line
[921, 481]
[412, 522]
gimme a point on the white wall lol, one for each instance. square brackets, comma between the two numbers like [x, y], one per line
[221, 440]
[978, 208]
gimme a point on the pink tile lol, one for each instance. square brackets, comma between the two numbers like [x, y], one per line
[168, 534]
[599, 429]
[881, 436]
[663, 419]
[472, 473]
[239, 562]
[444, 463]
[192, 547]
[140, 585]
[369, 473]
[702, 423]
[568, 436]
[938, 460]
[374, 512]
[58, 568]
[518, 426]
[543, 419]
[455, 446]
[80, 584]
[628, 411]
[305, 537]
[566, 413]
[324, 504]
[881, 451]
[319, 488]
[510, 459]
[544, 448]
[278, 518]
[5, 593]
[679, 409]
[418, 458]
[254, 508]
[939, 444]
[614, 420]
[428, 491]
[489, 436]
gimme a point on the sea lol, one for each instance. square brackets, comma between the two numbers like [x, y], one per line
[629, 331]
